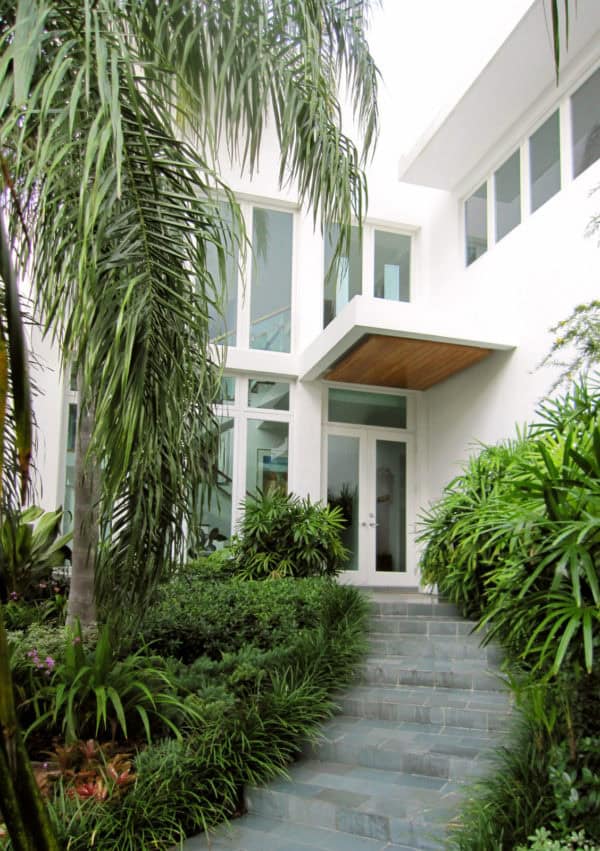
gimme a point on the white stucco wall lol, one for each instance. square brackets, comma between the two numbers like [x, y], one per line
[527, 282]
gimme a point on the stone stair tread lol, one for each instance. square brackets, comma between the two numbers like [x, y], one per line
[490, 701]
[381, 805]
[258, 833]
[440, 646]
[409, 735]
[433, 663]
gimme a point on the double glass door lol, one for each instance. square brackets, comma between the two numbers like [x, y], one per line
[369, 476]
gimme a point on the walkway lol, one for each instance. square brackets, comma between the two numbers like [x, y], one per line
[389, 772]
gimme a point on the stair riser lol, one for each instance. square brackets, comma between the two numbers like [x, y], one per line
[293, 808]
[421, 609]
[421, 626]
[472, 719]
[409, 762]
[393, 675]
[440, 648]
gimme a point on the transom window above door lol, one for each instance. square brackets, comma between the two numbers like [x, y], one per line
[358, 407]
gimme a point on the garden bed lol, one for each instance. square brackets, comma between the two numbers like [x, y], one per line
[142, 744]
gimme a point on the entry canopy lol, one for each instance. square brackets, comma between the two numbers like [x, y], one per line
[377, 342]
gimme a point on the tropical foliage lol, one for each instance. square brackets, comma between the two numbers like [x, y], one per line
[22, 806]
[31, 547]
[215, 722]
[515, 540]
[285, 535]
[113, 116]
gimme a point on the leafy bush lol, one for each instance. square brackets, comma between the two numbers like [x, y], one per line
[31, 547]
[508, 805]
[575, 781]
[461, 543]
[195, 618]
[544, 597]
[283, 535]
[542, 841]
[516, 541]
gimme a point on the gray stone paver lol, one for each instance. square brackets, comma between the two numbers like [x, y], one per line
[388, 774]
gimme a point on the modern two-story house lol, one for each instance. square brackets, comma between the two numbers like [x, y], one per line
[367, 387]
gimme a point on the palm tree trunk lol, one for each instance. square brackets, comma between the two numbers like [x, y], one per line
[23, 809]
[82, 603]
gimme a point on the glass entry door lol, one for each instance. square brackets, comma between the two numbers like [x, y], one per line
[369, 477]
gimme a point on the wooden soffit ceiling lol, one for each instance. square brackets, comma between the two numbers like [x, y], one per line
[403, 362]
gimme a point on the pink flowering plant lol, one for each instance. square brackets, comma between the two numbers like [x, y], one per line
[94, 692]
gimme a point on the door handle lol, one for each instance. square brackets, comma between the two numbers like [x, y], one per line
[373, 524]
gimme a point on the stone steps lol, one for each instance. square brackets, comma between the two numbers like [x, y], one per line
[426, 713]
[421, 625]
[471, 674]
[438, 647]
[475, 710]
[388, 806]
[429, 749]
[257, 833]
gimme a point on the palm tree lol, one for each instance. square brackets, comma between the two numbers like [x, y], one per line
[22, 807]
[112, 116]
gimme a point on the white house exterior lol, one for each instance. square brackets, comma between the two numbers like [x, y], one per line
[371, 389]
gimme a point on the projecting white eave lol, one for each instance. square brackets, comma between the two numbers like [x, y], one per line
[519, 74]
[398, 344]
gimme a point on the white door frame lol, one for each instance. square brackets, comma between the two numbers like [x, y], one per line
[367, 575]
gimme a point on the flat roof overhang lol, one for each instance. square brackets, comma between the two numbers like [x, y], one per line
[501, 94]
[394, 344]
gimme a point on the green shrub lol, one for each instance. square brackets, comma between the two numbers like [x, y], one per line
[252, 712]
[544, 596]
[461, 543]
[508, 805]
[283, 535]
[575, 781]
[516, 541]
[542, 841]
[195, 618]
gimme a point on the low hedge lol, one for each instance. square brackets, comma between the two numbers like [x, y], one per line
[196, 617]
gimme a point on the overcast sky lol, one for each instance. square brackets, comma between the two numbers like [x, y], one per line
[428, 52]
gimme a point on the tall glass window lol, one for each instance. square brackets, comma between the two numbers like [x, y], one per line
[222, 326]
[343, 278]
[392, 266]
[215, 517]
[266, 456]
[342, 488]
[507, 192]
[585, 118]
[476, 224]
[391, 506]
[69, 494]
[544, 162]
[271, 296]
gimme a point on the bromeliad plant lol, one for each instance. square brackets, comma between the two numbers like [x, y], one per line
[284, 535]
